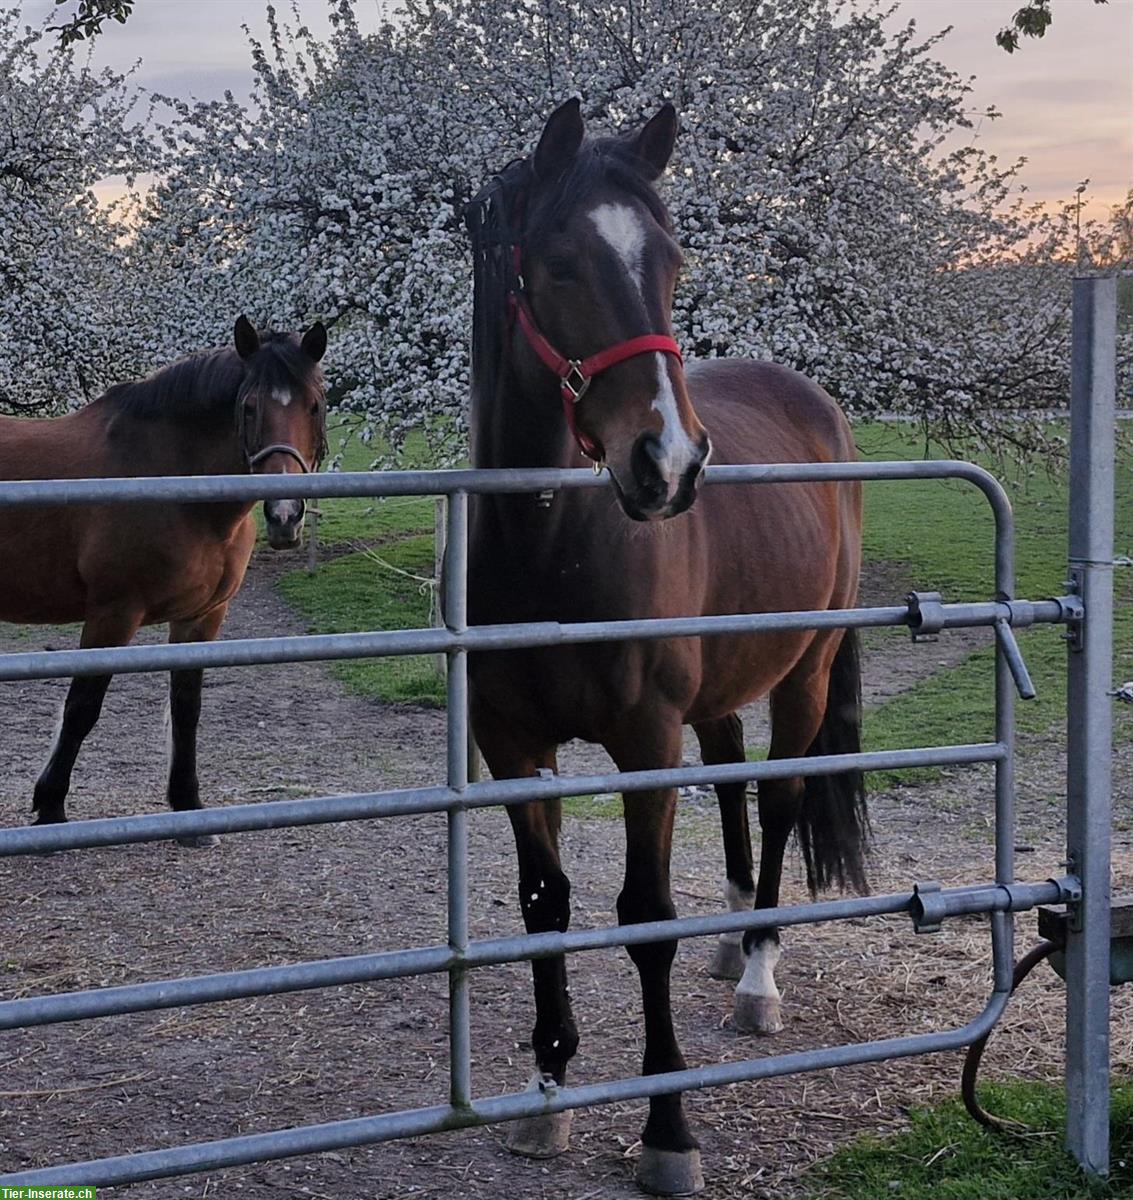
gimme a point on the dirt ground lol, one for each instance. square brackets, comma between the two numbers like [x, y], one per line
[101, 917]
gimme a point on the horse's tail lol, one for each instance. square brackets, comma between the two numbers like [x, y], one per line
[833, 825]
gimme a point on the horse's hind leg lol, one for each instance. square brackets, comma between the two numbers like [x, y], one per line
[722, 741]
[80, 714]
[798, 704]
[183, 791]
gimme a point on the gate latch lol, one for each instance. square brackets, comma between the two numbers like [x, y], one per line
[927, 909]
[926, 615]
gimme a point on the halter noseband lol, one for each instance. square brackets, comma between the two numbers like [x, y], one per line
[253, 458]
[574, 374]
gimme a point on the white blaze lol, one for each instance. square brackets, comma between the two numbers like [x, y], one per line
[621, 228]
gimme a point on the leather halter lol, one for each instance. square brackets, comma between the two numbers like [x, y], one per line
[253, 458]
[574, 374]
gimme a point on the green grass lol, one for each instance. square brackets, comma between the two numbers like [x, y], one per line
[358, 592]
[941, 533]
[346, 522]
[946, 1156]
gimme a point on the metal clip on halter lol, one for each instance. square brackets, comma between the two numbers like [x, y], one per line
[574, 381]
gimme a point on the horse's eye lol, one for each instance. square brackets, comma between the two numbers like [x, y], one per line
[560, 269]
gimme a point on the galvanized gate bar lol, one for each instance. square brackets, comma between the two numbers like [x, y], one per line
[120, 660]
[322, 810]
[456, 619]
[338, 1135]
[90, 1003]
[1090, 720]
[337, 485]
[459, 956]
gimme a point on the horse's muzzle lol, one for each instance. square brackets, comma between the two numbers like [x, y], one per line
[283, 520]
[652, 495]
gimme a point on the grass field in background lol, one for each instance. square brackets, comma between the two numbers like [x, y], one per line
[937, 534]
[941, 534]
[945, 1155]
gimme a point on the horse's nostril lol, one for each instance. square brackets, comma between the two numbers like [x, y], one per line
[646, 462]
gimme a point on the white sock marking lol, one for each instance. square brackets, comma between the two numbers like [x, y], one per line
[737, 900]
[759, 972]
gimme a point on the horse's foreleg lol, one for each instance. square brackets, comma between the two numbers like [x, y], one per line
[81, 710]
[722, 741]
[183, 790]
[670, 1155]
[797, 707]
[544, 900]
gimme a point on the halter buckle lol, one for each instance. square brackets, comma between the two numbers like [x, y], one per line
[574, 382]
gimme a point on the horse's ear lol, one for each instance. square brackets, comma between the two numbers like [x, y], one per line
[314, 343]
[653, 146]
[562, 136]
[246, 338]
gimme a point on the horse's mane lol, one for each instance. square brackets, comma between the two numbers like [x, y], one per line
[205, 384]
[496, 224]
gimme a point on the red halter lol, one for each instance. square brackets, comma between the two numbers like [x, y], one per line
[576, 374]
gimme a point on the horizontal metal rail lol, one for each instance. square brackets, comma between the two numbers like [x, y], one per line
[334, 485]
[51, 664]
[339, 1135]
[428, 960]
[322, 810]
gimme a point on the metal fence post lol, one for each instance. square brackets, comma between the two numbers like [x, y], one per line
[1089, 720]
[456, 618]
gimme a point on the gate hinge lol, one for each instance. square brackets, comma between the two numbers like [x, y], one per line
[1074, 609]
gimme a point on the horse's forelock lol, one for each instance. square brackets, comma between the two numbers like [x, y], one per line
[512, 208]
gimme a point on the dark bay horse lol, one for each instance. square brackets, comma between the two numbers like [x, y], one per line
[256, 406]
[575, 268]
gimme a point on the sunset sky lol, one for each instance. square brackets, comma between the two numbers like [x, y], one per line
[1067, 100]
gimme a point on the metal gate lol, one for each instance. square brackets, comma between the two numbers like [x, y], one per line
[1086, 609]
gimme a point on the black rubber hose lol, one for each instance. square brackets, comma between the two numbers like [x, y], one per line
[975, 1054]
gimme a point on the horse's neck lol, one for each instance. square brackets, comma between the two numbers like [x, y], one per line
[513, 428]
[158, 447]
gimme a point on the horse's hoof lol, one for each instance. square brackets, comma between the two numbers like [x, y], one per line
[198, 841]
[669, 1172]
[544, 1136]
[727, 959]
[49, 818]
[756, 1014]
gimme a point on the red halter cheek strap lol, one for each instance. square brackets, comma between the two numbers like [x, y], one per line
[576, 374]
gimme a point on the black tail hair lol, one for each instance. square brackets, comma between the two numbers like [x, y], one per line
[833, 826]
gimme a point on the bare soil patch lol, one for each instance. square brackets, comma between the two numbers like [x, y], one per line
[125, 1084]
